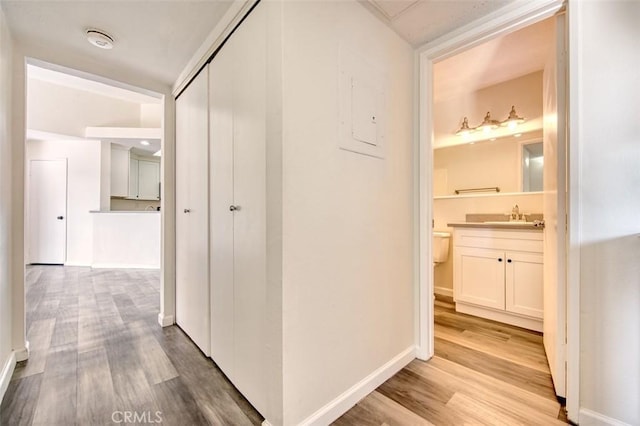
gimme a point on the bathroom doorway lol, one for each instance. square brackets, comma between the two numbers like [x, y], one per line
[460, 186]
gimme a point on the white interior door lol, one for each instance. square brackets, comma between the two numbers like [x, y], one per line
[221, 83]
[47, 211]
[192, 217]
[554, 209]
[249, 194]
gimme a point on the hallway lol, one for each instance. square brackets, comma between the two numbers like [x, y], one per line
[98, 354]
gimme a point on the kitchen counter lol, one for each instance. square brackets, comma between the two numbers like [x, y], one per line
[497, 225]
[123, 211]
[126, 239]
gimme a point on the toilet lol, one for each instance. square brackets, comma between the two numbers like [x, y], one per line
[440, 247]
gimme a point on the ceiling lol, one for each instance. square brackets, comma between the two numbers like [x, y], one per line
[421, 21]
[498, 60]
[79, 83]
[154, 39]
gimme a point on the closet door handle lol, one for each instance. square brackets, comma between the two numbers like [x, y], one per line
[60, 217]
[234, 208]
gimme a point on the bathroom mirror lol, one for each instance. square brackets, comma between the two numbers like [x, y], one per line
[532, 163]
[501, 163]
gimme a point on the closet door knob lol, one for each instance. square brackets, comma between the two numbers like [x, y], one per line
[187, 210]
[234, 208]
[60, 217]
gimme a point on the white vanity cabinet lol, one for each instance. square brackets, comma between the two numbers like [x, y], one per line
[498, 274]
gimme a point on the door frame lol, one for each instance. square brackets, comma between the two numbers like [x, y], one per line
[506, 20]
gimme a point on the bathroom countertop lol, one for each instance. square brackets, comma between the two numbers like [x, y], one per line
[507, 225]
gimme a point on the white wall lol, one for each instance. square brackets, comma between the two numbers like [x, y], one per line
[150, 115]
[348, 293]
[67, 111]
[83, 190]
[606, 130]
[5, 198]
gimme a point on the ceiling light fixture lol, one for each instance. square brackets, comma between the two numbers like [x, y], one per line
[145, 143]
[464, 129]
[99, 38]
[513, 120]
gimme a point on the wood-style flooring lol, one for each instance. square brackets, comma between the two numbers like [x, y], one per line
[98, 355]
[483, 373]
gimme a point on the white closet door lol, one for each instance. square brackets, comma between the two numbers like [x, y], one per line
[221, 84]
[192, 220]
[249, 183]
[47, 211]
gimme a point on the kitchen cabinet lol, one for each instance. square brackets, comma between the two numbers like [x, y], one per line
[144, 179]
[498, 274]
[119, 171]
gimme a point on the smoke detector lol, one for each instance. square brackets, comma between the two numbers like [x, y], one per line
[99, 38]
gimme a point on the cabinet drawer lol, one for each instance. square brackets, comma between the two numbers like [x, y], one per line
[526, 241]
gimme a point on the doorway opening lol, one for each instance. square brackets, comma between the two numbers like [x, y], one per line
[457, 190]
[105, 143]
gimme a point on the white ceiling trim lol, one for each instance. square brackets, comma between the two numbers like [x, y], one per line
[70, 79]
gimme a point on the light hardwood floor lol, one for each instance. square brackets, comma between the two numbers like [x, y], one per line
[96, 349]
[483, 373]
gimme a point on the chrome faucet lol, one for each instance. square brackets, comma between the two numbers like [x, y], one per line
[515, 213]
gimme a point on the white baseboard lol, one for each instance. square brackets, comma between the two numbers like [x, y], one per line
[443, 291]
[22, 354]
[352, 396]
[77, 264]
[500, 316]
[592, 418]
[165, 321]
[123, 266]
[6, 373]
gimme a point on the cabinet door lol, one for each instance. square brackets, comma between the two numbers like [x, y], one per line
[133, 178]
[478, 276]
[524, 284]
[148, 180]
[192, 215]
[119, 172]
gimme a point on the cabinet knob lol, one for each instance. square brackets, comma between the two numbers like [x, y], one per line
[234, 208]
[508, 260]
[499, 259]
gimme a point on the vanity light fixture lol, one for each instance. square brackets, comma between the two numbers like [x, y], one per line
[488, 124]
[464, 129]
[513, 120]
